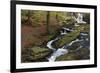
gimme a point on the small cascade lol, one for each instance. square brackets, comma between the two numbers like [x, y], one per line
[49, 44]
[79, 19]
[60, 51]
[64, 50]
[65, 30]
[57, 53]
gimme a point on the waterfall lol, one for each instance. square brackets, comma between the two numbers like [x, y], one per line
[79, 18]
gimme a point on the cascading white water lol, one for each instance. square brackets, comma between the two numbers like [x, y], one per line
[84, 34]
[57, 53]
[77, 40]
[66, 30]
[49, 45]
[79, 18]
[63, 33]
[61, 51]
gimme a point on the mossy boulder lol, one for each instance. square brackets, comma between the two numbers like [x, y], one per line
[67, 57]
[83, 27]
[84, 53]
[73, 47]
[72, 35]
[69, 22]
[35, 54]
[38, 52]
[67, 38]
[81, 54]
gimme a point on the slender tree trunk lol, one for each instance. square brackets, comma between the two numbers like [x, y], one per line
[57, 18]
[29, 18]
[48, 22]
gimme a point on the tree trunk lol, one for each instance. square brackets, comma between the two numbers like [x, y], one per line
[48, 22]
[29, 18]
[57, 18]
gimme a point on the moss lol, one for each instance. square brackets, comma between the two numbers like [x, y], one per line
[73, 35]
[86, 27]
[35, 54]
[67, 57]
[50, 36]
[69, 22]
[81, 54]
[38, 52]
[67, 38]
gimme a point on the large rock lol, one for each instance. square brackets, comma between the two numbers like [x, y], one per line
[67, 57]
[72, 35]
[35, 54]
[84, 53]
[81, 54]
[67, 38]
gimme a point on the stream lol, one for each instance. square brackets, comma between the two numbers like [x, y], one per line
[82, 40]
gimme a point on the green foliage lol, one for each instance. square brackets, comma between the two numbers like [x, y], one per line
[39, 18]
[36, 17]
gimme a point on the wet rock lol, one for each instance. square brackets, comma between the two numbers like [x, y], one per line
[84, 53]
[67, 57]
[73, 47]
[81, 54]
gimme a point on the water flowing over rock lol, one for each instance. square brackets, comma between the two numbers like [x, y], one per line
[79, 18]
[65, 45]
[57, 53]
[49, 44]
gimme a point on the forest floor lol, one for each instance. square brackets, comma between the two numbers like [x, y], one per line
[34, 36]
